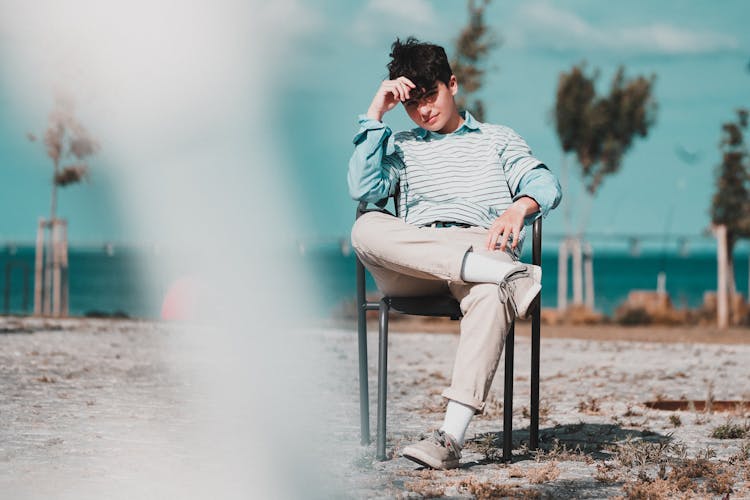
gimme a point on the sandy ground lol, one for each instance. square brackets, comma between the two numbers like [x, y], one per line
[76, 395]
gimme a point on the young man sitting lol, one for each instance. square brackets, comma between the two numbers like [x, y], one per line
[465, 191]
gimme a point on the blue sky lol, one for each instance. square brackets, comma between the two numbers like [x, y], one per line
[698, 52]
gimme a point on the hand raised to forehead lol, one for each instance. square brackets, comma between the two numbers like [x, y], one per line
[388, 95]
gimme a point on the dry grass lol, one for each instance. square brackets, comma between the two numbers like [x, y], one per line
[675, 420]
[485, 490]
[677, 476]
[589, 406]
[560, 452]
[544, 474]
[425, 488]
[487, 446]
[639, 453]
[651, 490]
[607, 473]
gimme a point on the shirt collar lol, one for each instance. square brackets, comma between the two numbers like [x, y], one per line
[470, 124]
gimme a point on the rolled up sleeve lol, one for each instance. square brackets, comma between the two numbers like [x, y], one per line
[543, 187]
[373, 167]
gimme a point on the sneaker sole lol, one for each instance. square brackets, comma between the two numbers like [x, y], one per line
[426, 460]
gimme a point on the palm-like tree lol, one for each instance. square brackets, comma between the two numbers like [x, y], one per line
[68, 145]
[472, 47]
[599, 130]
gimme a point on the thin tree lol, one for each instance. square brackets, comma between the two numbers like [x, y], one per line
[599, 130]
[472, 47]
[68, 145]
[730, 204]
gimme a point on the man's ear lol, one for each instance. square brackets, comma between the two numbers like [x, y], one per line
[453, 85]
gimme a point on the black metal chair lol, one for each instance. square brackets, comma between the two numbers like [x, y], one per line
[447, 307]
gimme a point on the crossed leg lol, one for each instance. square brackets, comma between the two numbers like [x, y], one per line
[406, 260]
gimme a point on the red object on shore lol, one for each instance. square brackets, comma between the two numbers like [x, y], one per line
[181, 300]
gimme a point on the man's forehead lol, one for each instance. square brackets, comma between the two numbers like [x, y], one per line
[420, 91]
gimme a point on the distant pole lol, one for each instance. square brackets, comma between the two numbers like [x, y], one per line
[722, 308]
[48, 254]
[661, 283]
[64, 309]
[577, 272]
[56, 278]
[38, 268]
[588, 270]
[562, 276]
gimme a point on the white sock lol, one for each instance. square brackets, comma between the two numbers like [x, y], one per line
[478, 268]
[457, 418]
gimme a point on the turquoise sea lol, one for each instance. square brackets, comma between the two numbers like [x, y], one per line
[615, 274]
[101, 282]
[113, 282]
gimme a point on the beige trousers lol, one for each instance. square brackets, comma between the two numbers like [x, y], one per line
[407, 260]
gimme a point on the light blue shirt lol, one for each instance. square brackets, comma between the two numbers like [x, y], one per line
[470, 175]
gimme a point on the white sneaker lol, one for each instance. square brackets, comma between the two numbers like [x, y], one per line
[519, 290]
[438, 451]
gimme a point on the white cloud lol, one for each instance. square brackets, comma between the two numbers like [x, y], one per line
[292, 17]
[384, 18]
[544, 25]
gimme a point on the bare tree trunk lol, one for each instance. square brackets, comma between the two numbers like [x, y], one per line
[731, 283]
[56, 254]
[588, 205]
[588, 272]
[39, 268]
[47, 300]
[721, 286]
[64, 264]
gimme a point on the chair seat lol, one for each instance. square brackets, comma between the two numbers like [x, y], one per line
[444, 305]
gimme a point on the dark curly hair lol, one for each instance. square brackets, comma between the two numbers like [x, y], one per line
[422, 63]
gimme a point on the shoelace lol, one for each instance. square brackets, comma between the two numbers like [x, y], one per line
[444, 440]
[506, 288]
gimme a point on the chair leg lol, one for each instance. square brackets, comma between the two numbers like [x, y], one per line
[508, 396]
[535, 350]
[364, 393]
[382, 377]
[536, 321]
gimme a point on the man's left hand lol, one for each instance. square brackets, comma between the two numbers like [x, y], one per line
[510, 222]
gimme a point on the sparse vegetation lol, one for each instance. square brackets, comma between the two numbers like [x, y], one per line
[730, 430]
[487, 447]
[548, 472]
[562, 453]
[425, 488]
[484, 490]
[589, 406]
[639, 453]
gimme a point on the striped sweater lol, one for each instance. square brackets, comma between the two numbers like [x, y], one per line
[471, 175]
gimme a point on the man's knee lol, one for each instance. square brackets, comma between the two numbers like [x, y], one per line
[365, 230]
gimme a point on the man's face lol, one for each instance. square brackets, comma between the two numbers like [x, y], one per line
[434, 108]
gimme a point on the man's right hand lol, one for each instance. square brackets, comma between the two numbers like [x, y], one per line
[390, 93]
